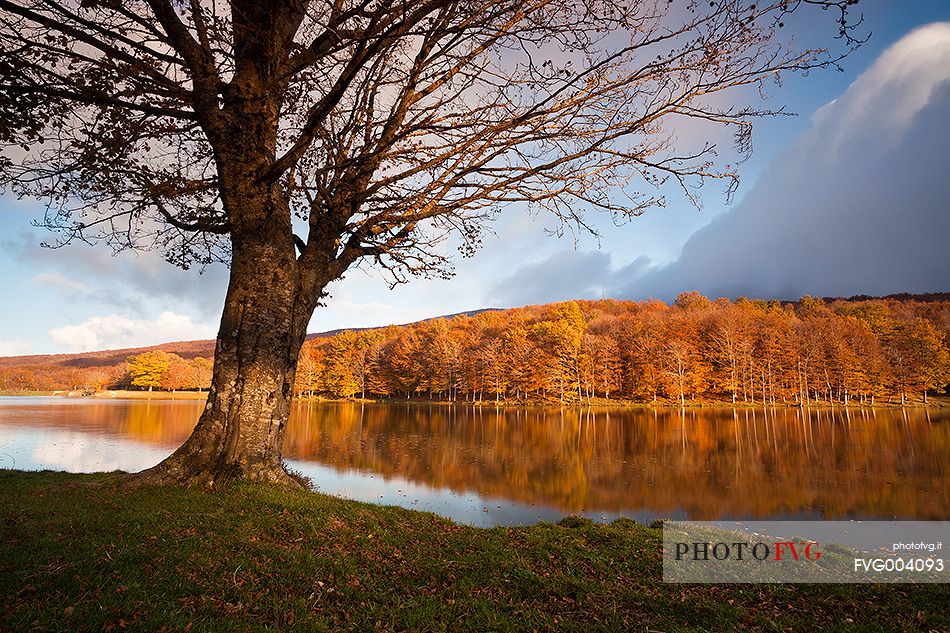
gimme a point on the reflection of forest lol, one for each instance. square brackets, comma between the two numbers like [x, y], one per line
[157, 422]
[710, 464]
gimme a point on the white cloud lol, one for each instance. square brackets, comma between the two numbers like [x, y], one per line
[118, 331]
[14, 348]
[901, 82]
[61, 281]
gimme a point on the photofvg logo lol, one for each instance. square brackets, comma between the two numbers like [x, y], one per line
[742, 550]
[804, 551]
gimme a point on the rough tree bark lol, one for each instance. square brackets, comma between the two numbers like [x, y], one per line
[271, 295]
[263, 325]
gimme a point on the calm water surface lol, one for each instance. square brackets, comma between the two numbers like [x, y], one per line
[487, 466]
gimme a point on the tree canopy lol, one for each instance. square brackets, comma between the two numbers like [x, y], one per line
[294, 139]
[148, 368]
[385, 126]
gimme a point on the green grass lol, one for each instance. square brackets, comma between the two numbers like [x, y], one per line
[78, 552]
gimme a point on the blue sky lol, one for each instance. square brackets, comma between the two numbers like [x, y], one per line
[82, 298]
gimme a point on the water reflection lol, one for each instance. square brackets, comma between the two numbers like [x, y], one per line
[486, 465]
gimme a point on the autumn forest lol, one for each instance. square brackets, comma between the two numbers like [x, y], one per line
[694, 350]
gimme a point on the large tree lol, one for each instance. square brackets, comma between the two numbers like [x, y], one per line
[293, 139]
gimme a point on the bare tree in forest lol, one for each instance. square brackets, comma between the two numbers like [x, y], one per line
[294, 139]
[728, 330]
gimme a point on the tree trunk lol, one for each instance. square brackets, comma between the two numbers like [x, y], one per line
[263, 325]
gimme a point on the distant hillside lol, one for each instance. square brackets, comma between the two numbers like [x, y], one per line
[106, 358]
[185, 349]
[928, 297]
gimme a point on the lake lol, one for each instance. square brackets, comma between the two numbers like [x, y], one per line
[519, 465]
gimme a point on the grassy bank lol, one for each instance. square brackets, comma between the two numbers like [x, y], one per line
[78, 553]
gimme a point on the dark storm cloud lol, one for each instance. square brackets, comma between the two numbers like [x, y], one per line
[562, 276]
[860, 204]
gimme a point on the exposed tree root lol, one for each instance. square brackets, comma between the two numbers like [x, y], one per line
[185, 470]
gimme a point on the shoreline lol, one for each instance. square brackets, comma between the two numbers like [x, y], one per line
[935, 402]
